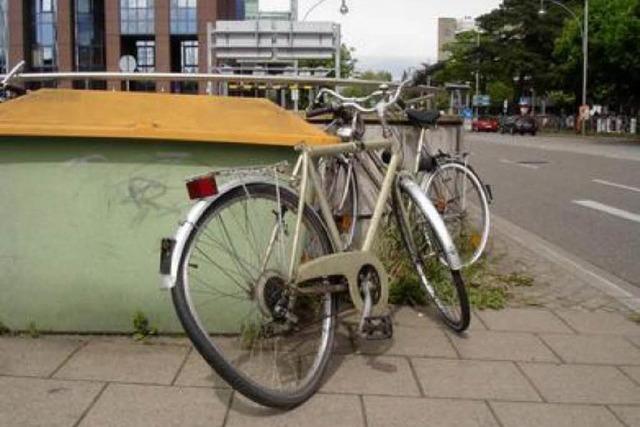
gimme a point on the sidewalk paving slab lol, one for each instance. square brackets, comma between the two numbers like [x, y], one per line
[402, 412]
[594, 349]
[408, 341]
[635, 340]
[197, 372]
[523, 320]
[633, 372]
[472, 379]
[125, 361]
[428, 318]
[545, 414]
[144, 405]
[630, 415]
[43, 402]
[582, 384]
[39, 357]
[370, 375]
[517, 346]
[323, 410]
[599, 322]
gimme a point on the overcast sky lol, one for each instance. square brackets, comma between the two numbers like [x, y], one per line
[389, 34]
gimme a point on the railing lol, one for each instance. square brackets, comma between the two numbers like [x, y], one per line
[197, 77]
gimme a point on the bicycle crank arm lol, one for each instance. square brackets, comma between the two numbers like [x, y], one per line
[352, 266]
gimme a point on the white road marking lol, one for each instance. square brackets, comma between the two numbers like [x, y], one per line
[613, 184]
[608, 209]
[511, 162]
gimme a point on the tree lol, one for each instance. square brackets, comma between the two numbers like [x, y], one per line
[522, 50]
[499, 91]
[514, 46]
[614, 53]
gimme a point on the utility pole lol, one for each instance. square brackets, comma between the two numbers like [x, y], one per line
[584, 29]
[585, 56]
[478, 75]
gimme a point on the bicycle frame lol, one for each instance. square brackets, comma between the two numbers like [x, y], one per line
[307, 172]
[338, 264]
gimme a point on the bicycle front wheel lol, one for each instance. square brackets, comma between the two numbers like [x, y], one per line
[458, 194]
[426, 245]
[234, 296]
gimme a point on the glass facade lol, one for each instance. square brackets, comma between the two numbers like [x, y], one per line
[184, 17]
[4, 35]
[137, 16]
[89, 35]
[43, 35]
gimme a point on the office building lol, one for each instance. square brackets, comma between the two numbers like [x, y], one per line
[252, 11]
[93, 35]
[447, 30]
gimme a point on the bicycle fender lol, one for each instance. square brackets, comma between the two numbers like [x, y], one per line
[172, 248]
[439, 227]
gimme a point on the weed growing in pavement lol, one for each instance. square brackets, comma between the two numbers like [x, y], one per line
[141, 327]
[635, 317]
[486, 287]
[4, 329]
[32, 330]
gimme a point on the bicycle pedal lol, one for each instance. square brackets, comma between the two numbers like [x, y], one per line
[377, 328]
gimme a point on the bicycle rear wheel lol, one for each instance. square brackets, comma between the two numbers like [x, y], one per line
[234, 299]
[426, 245]
[458, 194]
[340, 184]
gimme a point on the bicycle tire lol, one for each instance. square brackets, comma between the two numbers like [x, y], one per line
[212, 351]
[425, 246]
[472, 243]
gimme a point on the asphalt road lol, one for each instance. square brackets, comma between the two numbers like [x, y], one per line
[581, 195]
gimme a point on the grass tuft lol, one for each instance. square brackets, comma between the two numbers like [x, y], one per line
[142, 328]
[487, 288]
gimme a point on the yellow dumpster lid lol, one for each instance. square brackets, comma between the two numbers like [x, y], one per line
[152, 116]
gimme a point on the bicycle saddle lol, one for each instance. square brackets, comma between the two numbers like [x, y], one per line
[422, 119]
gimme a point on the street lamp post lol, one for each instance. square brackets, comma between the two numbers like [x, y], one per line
[344, 9]
[584, 32]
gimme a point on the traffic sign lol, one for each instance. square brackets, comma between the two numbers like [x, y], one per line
[481, 101]
[128, 64]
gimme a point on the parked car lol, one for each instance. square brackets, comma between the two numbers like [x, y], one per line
[485, 124]
[519, 124]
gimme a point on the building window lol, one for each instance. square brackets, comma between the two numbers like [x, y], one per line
[43, 35]
[189, 56]
[146, 55]
[188, 64]
[137, 17]
[184, 17]
[89, 34]
[4, 45]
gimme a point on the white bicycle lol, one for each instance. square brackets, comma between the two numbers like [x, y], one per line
[256, 272]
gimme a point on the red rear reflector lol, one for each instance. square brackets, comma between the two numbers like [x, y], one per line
[201, 187]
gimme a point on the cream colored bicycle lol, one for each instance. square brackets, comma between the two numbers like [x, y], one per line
[256, 272]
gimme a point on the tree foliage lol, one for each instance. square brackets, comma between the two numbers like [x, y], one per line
[518, 50]
[614, 53]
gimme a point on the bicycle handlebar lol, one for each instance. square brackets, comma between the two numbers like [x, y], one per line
[355, 103]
